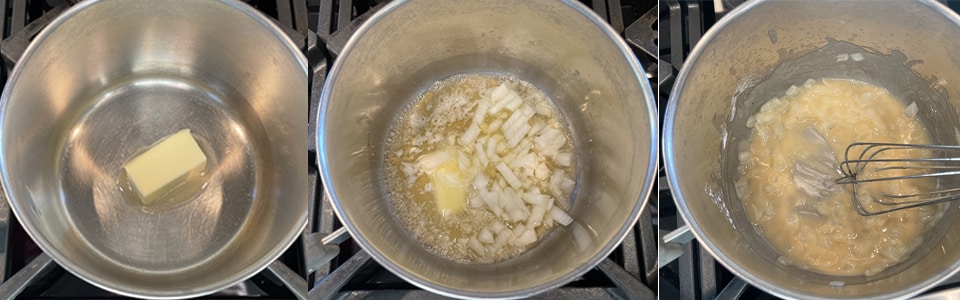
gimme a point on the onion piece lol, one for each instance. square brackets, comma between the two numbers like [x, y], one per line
[475, 245]
[497, 97]
[431, 161]
[560, 216]
[485, 236]
[470, 135]
[481, 112]
[505, 235]
[513, 101]
[567, 184]
[481, 182]
[911, 110]
[536, 216]
[481, 155]
[508, 175]
[564, 159]
[526, 238]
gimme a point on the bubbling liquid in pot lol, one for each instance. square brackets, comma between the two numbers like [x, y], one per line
[480, 168]
[790, 164]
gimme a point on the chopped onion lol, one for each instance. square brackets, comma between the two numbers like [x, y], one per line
[470, 135]
[480, 183]
[505, 235]
[543, 110]
[536, 126]
[431, 161]
[911, 110]
[536, 217]
[492, 150]
[513, 101]
[481, 112]
[549, 142]
[497, 98]
[481, 155]
[485, 236]
[842, 57]
[508, 175]
[493, 202]
[564, 158]
[856, 56]
[475, 245]
[567, 184]
[560, 216]
[541, 172]
[495, 125]
[792, 91]
[526, 238]
[496, 226]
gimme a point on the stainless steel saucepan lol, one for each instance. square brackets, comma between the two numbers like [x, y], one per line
[559, 46]
[740, 57]
[107, 79]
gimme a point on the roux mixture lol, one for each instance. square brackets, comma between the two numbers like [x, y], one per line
[790, 164]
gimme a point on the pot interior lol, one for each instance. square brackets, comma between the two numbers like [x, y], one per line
[733, 71]
[561, 48]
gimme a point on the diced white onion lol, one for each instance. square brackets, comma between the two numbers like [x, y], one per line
[497, 98]
[564, 159]
[792, 91]
[567, 184]
[480, 183]
[431, 161]
[470, 135]
[508, 175]
[475, 245]
[519, 229]
[528, 237]
[495, 125]
[481, 112]
[481, 155]
[856, 56]
[536, 217]
[911, 110]
[513, 101]
[485, 236]
[496, 226]
[843, 57]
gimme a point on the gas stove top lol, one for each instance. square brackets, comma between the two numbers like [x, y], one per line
[629, 273]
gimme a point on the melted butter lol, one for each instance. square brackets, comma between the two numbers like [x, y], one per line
[821, 231]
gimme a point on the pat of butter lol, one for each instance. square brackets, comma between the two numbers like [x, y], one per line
[165, 166]
[449, 188]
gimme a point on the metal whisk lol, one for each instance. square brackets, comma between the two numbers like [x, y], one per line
[943, 161]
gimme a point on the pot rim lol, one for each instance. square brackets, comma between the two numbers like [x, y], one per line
[91, 277]
[641, 203]
[670, 161]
